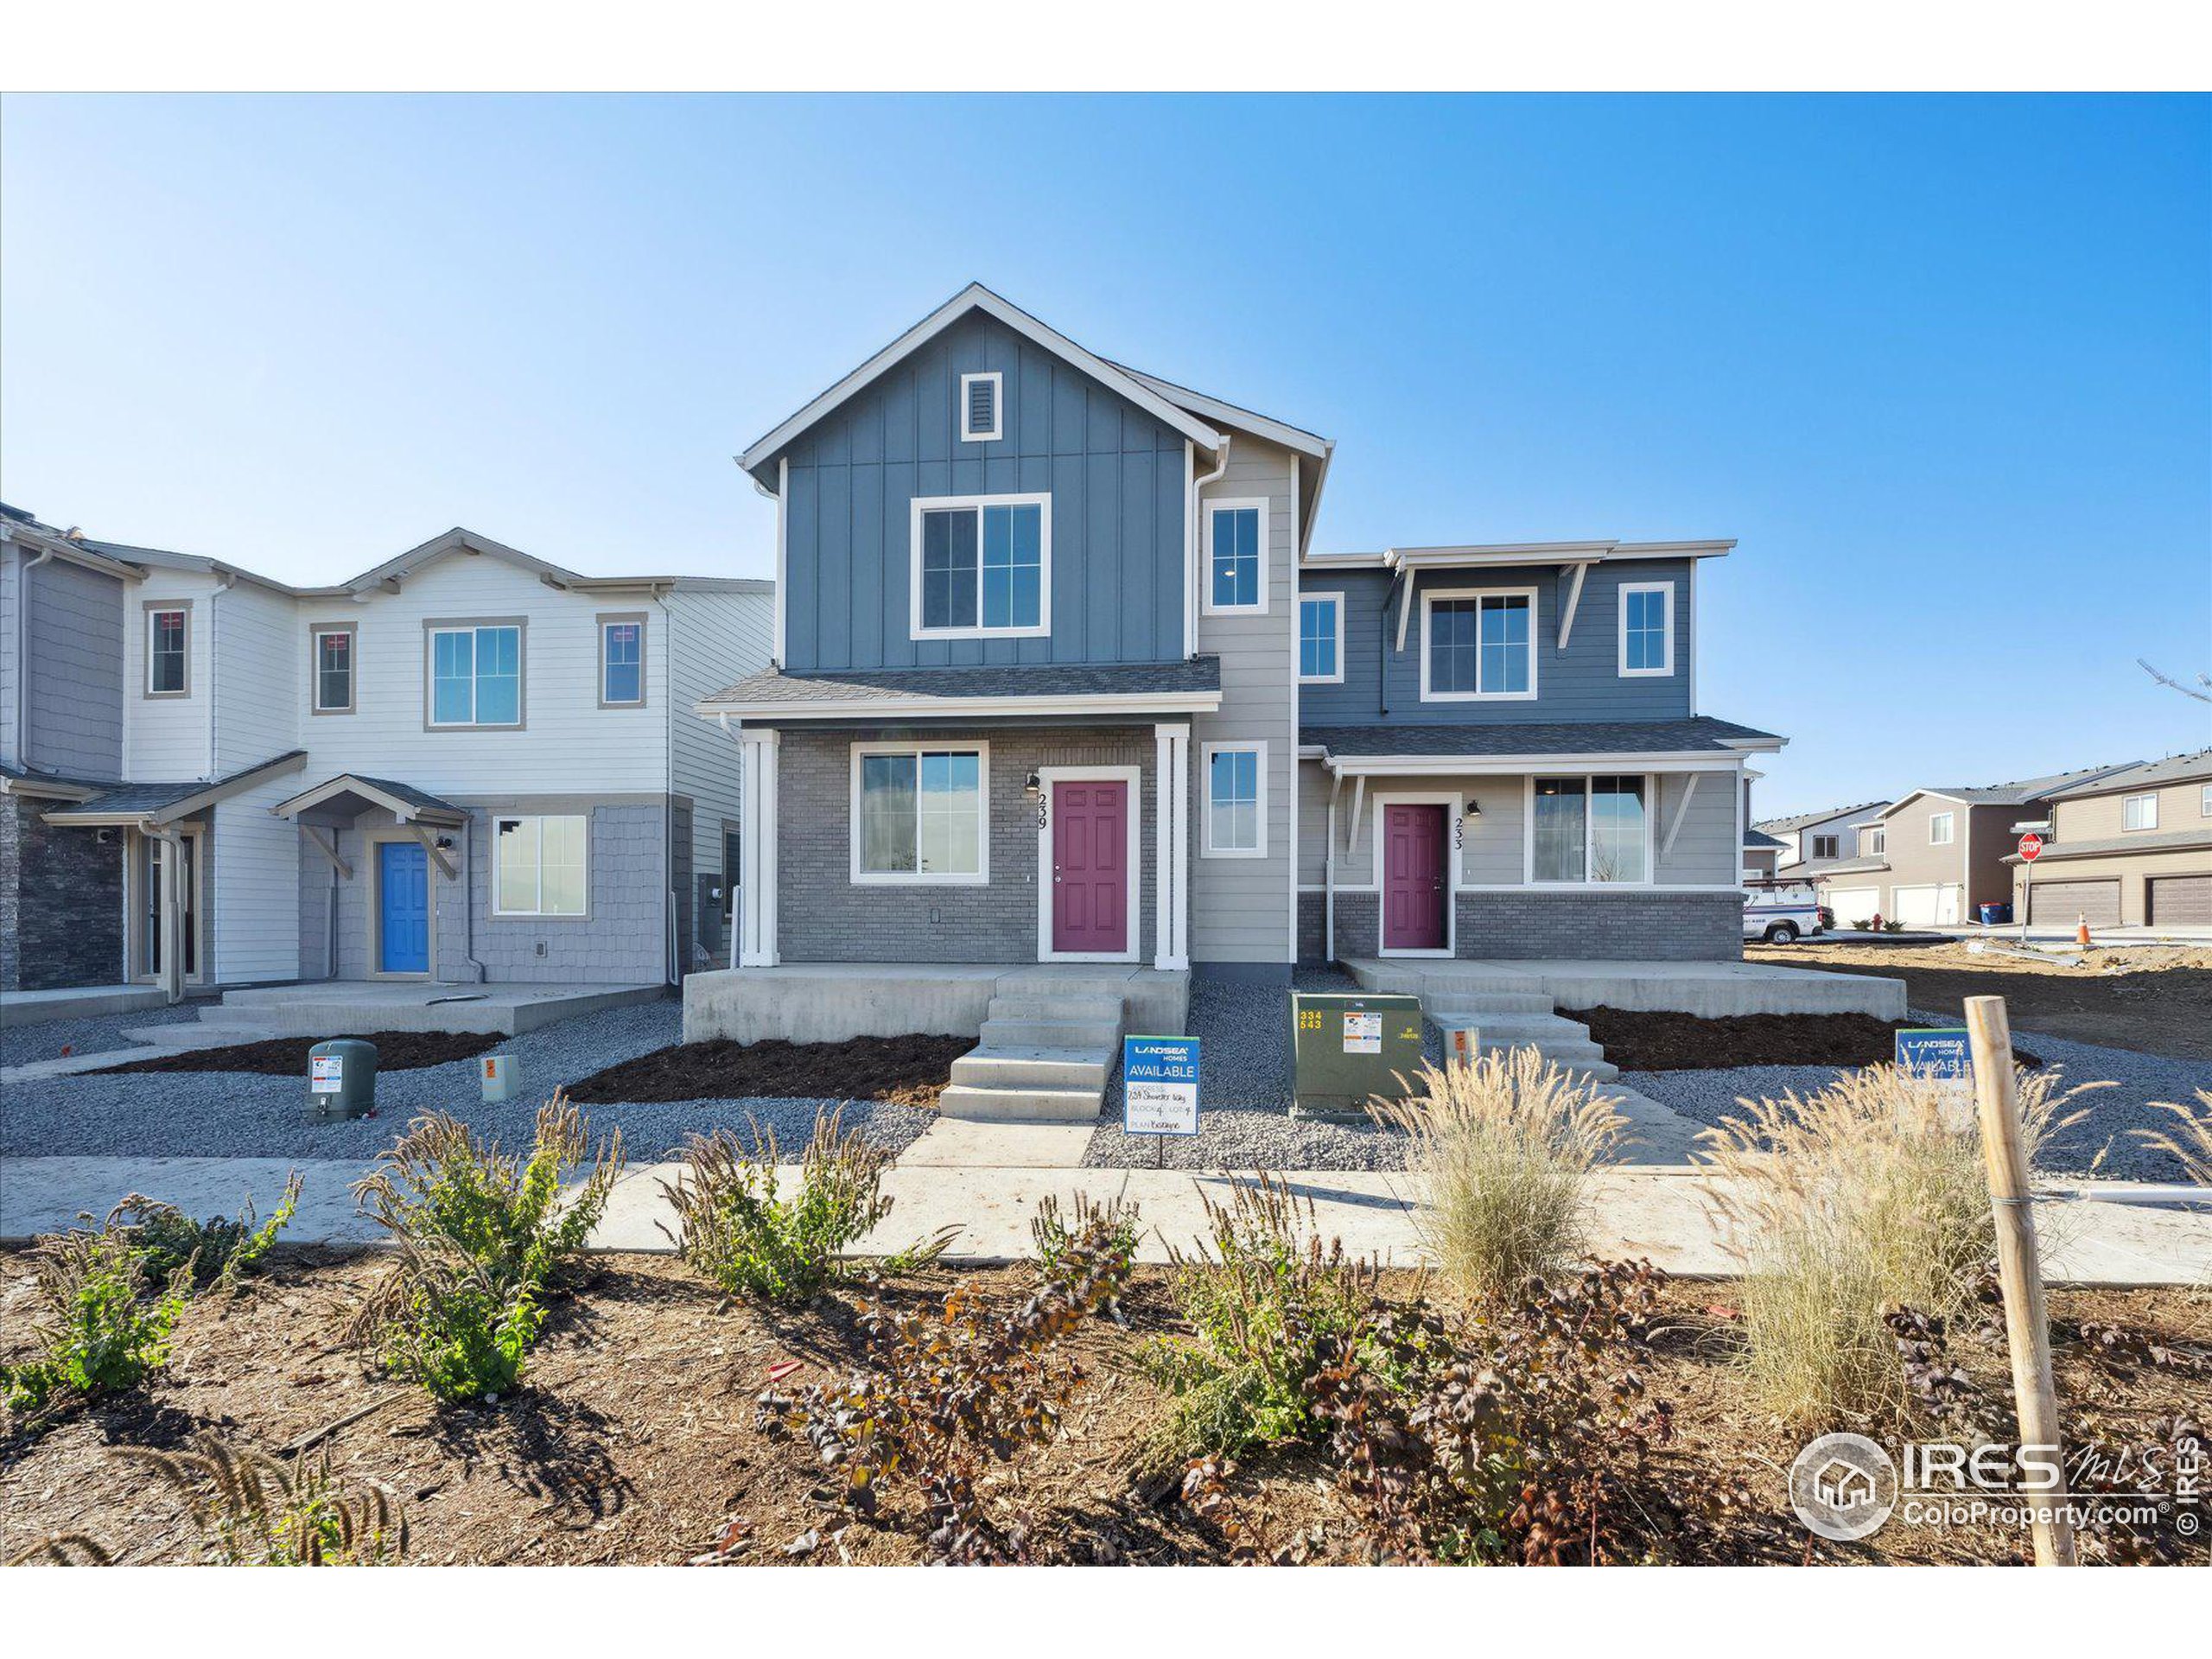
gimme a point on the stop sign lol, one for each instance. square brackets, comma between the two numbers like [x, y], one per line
[2031, 847]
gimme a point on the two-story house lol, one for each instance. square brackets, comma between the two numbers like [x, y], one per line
[2130, 848]
[1058, 677]
[466, 763]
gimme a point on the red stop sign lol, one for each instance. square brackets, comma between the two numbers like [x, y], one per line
[2031, 847]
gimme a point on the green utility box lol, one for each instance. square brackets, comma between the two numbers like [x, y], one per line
[341, 1077]
[1347, 1049]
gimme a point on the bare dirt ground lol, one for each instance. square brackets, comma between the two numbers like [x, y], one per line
[2154, 999]
[632, 1438]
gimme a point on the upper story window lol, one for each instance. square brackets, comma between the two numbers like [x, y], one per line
[1647, 628]
[2139, 812]
[1321, 638]
[168, 648]
[1236, 558]
[982, 566]
[1476, 645]
[980, 398]
[920, 814]
[1590, 829]
[621, 662]
[1236, 796]
[1827, 846]
[332, 646]
[540, 866]
[2204, 803]
[1941, 826]
[1874, 841]
[475, 673]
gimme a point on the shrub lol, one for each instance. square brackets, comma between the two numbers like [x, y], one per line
[946, 1392]
[253, 1510]
[1844, 1204]
[102, 1325]
[1503, 1148]
[482, 1237]
[1067, 1245]
[218, 1251]
[1266, 1305]
[735, 1225]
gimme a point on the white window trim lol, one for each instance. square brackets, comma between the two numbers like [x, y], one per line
[1455, 812]
[1240, 503]
[1948, 824]
[1206, 752]
[540, 914]
[922, 504]
[968, 434]
[1666, 670]
[2205, 802]
[1874, 842]
[1336, 599]
[920, 878]
[154, 609]
[1132, 874]
[1430, 597]
[1590, 841]
[2138, 829]
[637, 620]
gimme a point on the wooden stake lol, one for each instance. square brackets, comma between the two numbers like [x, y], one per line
[2027, 1321]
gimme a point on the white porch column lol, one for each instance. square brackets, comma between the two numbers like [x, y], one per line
[1171, 877]
[757, 817]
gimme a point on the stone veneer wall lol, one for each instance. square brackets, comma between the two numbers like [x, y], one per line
[60, 903]
[824, 916]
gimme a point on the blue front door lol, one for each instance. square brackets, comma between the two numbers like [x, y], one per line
[404, 908]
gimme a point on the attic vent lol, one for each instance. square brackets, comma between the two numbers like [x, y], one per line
[979, 407]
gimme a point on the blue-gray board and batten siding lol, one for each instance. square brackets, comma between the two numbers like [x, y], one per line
[1582, 682]
[1113, 472]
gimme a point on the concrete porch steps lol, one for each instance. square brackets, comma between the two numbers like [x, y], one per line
[1047, 1051]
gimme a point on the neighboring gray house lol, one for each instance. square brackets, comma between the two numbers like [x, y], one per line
[1058, 678]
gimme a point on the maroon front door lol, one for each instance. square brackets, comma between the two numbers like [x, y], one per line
[1090, 868]
[1413, 868]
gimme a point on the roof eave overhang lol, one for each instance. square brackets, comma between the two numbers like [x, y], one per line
[45, 788]
[1144, 703]
[185, 806]
[1496, 765]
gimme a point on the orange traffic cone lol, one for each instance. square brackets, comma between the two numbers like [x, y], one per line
[2082, 931]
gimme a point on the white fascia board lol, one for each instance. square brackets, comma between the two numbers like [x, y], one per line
[1754, 744]
[976, 298]
[1145, 704]
[1483, 765]
[1344, 561]
[1599, 552]
[1311, 444]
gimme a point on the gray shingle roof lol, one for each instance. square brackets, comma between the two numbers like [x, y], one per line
[890, 685]
[2174, 769]
[1554, 737]
[2022, 791]
[1758, 837]
[31, 775]
[2171, 841]
[151, 800]
[1799, 820]
[406, 792]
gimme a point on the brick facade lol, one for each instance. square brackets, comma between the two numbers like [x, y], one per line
[60, 902]
[1508, 926]
[824, 916]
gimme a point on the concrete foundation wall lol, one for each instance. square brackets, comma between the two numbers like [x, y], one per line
[837, 1002]
[60, 903]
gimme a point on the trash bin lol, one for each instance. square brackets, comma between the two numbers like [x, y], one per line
[1347, 1048]
[1996, 915]
[341, 1077]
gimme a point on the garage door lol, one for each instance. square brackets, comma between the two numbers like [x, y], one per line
[1853, 904]
[1932, 907]
[2178, 901]
[2057, 904]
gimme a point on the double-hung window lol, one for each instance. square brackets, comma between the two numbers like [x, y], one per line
[1237, 800]
[475, 673]
[1646, 629]
[332, 647]
[1321, 638]
[2139, 812]
[621, 662]
[921, 813]
[1874, 842]
[2205, 802]
[1827, 846]
[1477, 644]
[1940, 827]
[1236, 558]
[169, 650]
[982, 566]
[1590, 830]
[538, 865]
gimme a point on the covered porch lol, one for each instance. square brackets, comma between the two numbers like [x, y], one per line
[382, 848]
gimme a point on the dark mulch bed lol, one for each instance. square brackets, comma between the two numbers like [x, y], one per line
[1643, 1041]
[287, 1057]
[902, 1070]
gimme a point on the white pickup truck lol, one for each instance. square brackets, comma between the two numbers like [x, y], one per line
[1782, 915]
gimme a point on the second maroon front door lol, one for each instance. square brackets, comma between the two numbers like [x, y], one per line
[1414, 870]
[1090, 868]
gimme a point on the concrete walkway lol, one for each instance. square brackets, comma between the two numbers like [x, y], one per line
[1660, 1212]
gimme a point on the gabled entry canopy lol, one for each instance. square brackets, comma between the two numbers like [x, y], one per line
[345, 797]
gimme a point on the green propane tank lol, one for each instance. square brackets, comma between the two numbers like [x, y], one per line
[1348, 1048]
[341, 1077]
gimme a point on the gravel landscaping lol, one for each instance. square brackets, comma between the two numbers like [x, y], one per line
[44, 1040]
[240, 1115]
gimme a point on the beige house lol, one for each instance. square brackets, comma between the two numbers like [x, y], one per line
[2131, 849]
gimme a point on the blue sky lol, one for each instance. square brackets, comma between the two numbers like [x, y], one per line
[1943, 365]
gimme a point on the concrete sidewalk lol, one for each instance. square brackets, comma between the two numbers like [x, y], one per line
[2093, 1234]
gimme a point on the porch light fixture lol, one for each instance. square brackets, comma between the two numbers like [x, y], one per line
[1474, 809]
[1032, 786]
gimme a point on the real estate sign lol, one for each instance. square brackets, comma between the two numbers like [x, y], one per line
[1159, 1085]
[1946, 1060]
